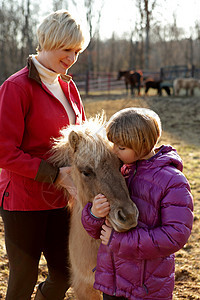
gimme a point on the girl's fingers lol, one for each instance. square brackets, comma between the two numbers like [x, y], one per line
[105, 234]
[100, 197]
[108, 223]
[102, 202]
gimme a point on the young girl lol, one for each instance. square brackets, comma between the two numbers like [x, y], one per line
[139, 264]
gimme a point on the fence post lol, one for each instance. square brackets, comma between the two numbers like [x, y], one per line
[87, 83]
[193, 70]
[161, 74]
[109, 77]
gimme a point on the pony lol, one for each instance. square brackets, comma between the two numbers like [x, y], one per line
[185, 83]
[131, 78]
[95, 169]
[156, 84]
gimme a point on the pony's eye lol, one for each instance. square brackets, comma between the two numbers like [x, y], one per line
[87, 172]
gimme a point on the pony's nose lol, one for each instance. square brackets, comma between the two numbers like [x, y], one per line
[124, 217]
[121, 215]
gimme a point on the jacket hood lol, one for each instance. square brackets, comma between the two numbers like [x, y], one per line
[165, 155]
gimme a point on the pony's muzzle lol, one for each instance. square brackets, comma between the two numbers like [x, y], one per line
[121, 215]
[123, 219]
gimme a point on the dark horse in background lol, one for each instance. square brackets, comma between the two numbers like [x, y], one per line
[132, 79]
[156, 84]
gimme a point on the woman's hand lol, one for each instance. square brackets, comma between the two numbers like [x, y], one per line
[106, 233]
[64, 179]
[100, 206]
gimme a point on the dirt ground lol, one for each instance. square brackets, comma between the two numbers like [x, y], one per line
[180, 117]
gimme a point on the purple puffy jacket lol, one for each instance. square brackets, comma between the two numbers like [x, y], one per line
[139, 264]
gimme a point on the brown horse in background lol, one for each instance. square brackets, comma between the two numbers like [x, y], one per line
[131, 78]
[156, 84]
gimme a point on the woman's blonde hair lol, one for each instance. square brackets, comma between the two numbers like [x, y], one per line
[60, 30]
[135, 128]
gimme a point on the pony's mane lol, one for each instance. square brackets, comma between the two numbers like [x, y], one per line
[94, 135]
[92, 131]
[92, 126]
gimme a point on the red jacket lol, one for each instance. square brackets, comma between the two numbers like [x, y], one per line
[29, 117]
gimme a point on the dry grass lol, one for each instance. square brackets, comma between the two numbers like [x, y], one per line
[181, 128]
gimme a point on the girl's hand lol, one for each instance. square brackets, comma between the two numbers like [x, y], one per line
[100, 206]
[106, 233]
[64, 179]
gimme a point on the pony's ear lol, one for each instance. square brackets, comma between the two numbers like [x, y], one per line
[74, 140]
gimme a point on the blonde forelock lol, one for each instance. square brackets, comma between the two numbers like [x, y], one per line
[92, 139]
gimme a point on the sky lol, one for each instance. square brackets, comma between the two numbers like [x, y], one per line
[119, 15]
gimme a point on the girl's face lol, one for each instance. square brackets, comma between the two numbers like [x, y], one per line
[58, 60]
[127, 155]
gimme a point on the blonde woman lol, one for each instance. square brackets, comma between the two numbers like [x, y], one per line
[139, 264]
[35, 103]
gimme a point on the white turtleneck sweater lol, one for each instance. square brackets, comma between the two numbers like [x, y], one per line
[50, 79]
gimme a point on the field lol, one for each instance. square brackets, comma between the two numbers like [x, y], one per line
[180, 117]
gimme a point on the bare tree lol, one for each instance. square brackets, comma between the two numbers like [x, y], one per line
[97, 33]
[197, 30]
[146, 8]
[59, 4]
[19, 19]
[132, 55]
[89, 15]
[26, 37]
[2, 41]
[112, 53]
[93, 15]
[9, 34]
[135, 49]
[167, 47]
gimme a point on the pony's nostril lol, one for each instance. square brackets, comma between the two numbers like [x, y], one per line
[121, 215]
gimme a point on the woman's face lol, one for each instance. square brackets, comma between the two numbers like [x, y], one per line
[58, 60]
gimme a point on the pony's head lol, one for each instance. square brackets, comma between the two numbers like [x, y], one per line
[96, 169]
